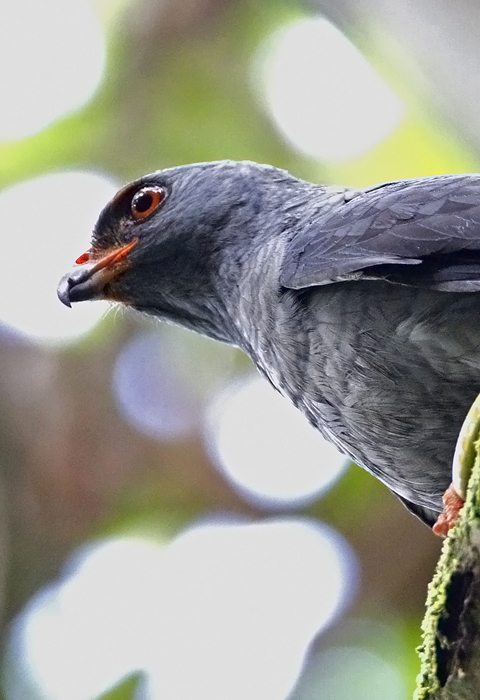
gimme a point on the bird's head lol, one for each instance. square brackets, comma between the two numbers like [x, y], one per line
[171, 242]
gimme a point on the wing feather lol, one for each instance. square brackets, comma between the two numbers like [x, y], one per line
[424, 232]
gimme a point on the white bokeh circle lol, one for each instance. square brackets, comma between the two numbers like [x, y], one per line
[223, 611]
[52, 59]
[323, 95]
[267, 448]
[46, 225]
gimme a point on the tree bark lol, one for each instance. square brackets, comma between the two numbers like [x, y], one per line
[450, 652]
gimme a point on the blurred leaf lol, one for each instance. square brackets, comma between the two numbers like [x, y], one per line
[126, 689]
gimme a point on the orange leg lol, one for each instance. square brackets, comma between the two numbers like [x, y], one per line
[452, 504]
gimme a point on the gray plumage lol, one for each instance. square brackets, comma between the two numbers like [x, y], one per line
[360, 306]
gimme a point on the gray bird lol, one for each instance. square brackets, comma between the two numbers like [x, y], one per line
[360, 306]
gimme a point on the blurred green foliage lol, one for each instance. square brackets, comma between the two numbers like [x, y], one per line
[126, 690]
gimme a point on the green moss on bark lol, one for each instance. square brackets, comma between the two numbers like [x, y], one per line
[450, 652]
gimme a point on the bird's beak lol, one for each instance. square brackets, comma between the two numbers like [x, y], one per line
[89, 279]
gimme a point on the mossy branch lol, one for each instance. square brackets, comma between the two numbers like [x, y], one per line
[450, 653]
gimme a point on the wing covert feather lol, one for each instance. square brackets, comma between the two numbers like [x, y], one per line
[423, 231]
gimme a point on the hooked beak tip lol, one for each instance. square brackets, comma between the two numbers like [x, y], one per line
[88, 281]
[63, 290]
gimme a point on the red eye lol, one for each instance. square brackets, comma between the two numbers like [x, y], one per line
[145, 201]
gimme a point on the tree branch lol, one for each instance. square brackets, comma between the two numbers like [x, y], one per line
[450, 653]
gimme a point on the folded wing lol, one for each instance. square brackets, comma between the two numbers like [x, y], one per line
[423, 232]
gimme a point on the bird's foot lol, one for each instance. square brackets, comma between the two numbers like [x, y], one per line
[452, 504]
[463, 461]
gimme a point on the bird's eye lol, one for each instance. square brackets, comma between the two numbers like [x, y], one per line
[145, 201]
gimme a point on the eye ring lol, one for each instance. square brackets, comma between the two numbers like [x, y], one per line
[146, 201]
